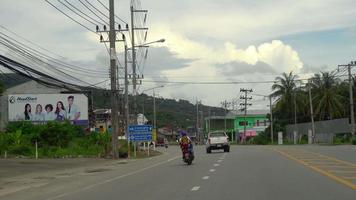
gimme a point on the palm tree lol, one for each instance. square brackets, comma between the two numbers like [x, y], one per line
[1, 88]
[327, 99]
[285, 90]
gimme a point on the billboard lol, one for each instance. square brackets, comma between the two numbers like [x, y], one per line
[40, 108]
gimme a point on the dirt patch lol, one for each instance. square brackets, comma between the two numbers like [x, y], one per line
[44, 178]
[96, 170]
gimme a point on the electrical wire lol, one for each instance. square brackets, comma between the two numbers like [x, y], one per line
[70, 17]
[50, 58]
[108, 10]
[83, 13]
[75, 12]
[87, 7]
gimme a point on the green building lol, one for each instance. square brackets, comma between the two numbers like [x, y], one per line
[256, 122]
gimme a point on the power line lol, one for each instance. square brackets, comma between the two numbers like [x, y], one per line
[108, 10]
[83, 13]
[66, 65]
[70, 17]
[75, 12]
[87, 7]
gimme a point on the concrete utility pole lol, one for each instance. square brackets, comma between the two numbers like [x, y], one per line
[311, 110]
[225, 105]
[134, 81]
[245, 109]
[197, 124]
[271, 116]
[134, 74]
[127, 113]
[154, 110]
[113, 77]
[352, 116]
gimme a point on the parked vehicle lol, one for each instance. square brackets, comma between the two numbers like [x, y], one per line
[162, 142]
[217, 140]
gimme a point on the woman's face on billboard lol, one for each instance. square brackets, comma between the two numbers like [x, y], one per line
[39, 109]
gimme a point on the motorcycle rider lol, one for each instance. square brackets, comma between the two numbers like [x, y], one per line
[185, 142]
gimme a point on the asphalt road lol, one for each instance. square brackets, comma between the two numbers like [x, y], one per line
[247, 172]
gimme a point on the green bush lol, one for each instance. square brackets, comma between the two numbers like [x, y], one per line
[4, 142]
[353, 141]
[23, 150]
[123, 151]
[55, 139]
[261, 139]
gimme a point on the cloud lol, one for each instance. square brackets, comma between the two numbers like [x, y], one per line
[242, 68]
[161, 58]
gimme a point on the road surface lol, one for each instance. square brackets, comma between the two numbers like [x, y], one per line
[247, 172]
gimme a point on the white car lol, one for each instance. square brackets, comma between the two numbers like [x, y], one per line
[217, 140]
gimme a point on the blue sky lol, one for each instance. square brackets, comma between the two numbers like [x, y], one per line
[329, 47]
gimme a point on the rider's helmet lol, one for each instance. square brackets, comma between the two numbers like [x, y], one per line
[183, 133]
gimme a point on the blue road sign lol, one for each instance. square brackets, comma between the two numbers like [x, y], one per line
[140, 133]
[139, 137]
[140, 128]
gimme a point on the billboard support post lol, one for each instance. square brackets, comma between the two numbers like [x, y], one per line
[36, 146]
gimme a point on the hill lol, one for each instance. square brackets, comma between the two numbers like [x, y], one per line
[169, 112]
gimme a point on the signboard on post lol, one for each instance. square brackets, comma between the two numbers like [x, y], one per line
[40, 108]
[140, 133]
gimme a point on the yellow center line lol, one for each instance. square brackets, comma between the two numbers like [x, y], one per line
[342, 171]
[335, 159]
[351, 177]
[321, 171]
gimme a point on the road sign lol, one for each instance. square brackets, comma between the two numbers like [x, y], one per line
[140, 133]
[136, 137]
[140, 128]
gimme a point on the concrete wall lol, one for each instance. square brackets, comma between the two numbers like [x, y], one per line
[30, 87]
[324, 130]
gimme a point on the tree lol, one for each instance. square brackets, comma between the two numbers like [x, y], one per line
[2, 88]
[285, 90]
[327, 96]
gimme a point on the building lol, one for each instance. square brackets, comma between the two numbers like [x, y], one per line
[256, 122]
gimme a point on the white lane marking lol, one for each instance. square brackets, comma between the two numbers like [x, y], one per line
[112, 179]
[195, 188]
[216, 165]
[219, 160]
[212, 170]
[205, 177]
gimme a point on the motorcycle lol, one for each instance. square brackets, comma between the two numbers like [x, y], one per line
[188, 154]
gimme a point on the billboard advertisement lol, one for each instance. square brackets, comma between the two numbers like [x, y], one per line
[40, 108]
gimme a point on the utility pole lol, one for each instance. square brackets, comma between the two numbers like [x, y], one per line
[134, 74]
[154, 110]
[245, 109]
[352, 64]
[113, 73]
[127, 113]
[271, 117]
[197, 124]
[224, 104]
[311, 110]
[113, 77]
[134, 81]
[209, 119]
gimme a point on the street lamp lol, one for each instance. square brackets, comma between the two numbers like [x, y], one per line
[134, 66]
[148, 43]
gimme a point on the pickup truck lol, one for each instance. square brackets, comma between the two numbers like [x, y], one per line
[217, 140]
